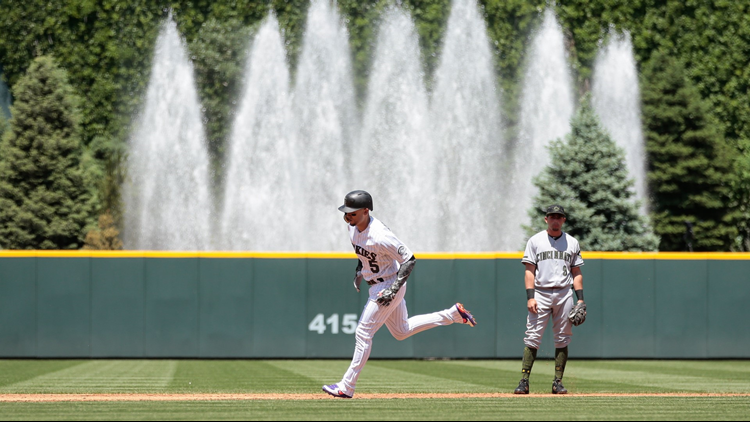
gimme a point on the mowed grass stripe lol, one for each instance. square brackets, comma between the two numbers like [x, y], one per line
[505, 375]
[667, 382]
[242, 376]
[380, 376]
[101, 376]
[400, 377]
[15, 371]
[634, 376]
[315, 372]
[480, 379]
[729, 368]
[517, 408]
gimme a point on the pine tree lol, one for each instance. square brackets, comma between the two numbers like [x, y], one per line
[741, 191]
[45, 197]
[589, 178]
[691, 168]
[3, 124]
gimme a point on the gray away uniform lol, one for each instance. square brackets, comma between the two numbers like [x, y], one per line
[554, 258]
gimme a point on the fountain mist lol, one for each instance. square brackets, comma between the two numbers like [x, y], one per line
[395, 153]
[468, 133]
[260, 156]
[616, 99]
[166, 196]
[325, 117]
[547, 106]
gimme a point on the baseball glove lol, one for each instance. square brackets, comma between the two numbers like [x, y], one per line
[577, 315]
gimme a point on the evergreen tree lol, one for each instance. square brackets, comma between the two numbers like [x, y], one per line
[589, 178]
[691, 168]
[741, 192]
[45, 198]
[3, 124]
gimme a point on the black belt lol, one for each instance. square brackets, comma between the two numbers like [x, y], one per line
[554, 288]
[374, 281]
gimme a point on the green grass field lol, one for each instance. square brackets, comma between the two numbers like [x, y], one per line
[380, 376]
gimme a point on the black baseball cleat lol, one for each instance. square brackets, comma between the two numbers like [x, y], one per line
[523, 387]
[557, 387]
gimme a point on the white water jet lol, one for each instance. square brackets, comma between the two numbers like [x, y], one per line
[547, 105]
[616, 99]
[261, 161]
[468, 132]
[397, 160]
[325, 116]
[166, 196]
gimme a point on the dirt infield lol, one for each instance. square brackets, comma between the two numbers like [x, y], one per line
[48, 398]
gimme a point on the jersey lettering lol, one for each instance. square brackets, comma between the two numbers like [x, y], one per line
[372, 258]
[379, 250]
[554, 259]
[544, 256]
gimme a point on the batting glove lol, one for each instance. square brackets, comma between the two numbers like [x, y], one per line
[385, 297]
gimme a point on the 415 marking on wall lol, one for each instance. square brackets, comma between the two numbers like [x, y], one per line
[348, 324]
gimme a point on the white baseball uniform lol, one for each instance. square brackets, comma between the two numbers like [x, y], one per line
[554, 258]
[382, 254]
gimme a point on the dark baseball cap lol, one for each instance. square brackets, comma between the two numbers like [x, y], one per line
[556, 209]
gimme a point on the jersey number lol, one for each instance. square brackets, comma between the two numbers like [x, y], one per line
[565, 271]
[374, 266]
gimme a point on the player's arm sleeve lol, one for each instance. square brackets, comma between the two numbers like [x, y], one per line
[577, 259]
[404, 256]
[529, 256]
[404, 272]
[359, 267]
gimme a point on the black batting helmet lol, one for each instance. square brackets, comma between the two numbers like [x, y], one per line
[356, 200]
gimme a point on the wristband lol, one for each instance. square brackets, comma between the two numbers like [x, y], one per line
[530, 294]
[579, 294]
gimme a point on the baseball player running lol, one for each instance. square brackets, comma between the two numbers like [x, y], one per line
[385, 264]
[553, 263]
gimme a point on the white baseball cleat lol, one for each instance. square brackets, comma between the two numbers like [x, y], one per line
[334, 390]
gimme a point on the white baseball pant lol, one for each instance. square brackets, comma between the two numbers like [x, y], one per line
[550, 302]
[396, 318]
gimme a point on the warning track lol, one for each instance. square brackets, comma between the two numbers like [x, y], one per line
[47, 398]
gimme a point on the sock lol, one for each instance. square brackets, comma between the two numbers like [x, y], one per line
[529, 355]
[561, 359]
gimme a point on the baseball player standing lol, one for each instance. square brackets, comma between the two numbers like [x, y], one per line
[553, 264]
[385, 264]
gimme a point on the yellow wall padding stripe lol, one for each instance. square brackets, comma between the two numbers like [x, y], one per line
[171, 254]
[711, 256]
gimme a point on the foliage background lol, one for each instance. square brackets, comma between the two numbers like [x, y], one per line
[589, 176]
[106, 48]
[46, 180]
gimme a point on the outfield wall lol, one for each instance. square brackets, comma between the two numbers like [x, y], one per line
[295, 305]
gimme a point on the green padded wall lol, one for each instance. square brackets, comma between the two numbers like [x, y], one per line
[171, 307]
[118, 307]
[280, 308]
[63, 310]
[226, 308]
[18, 307]
[259, 306]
